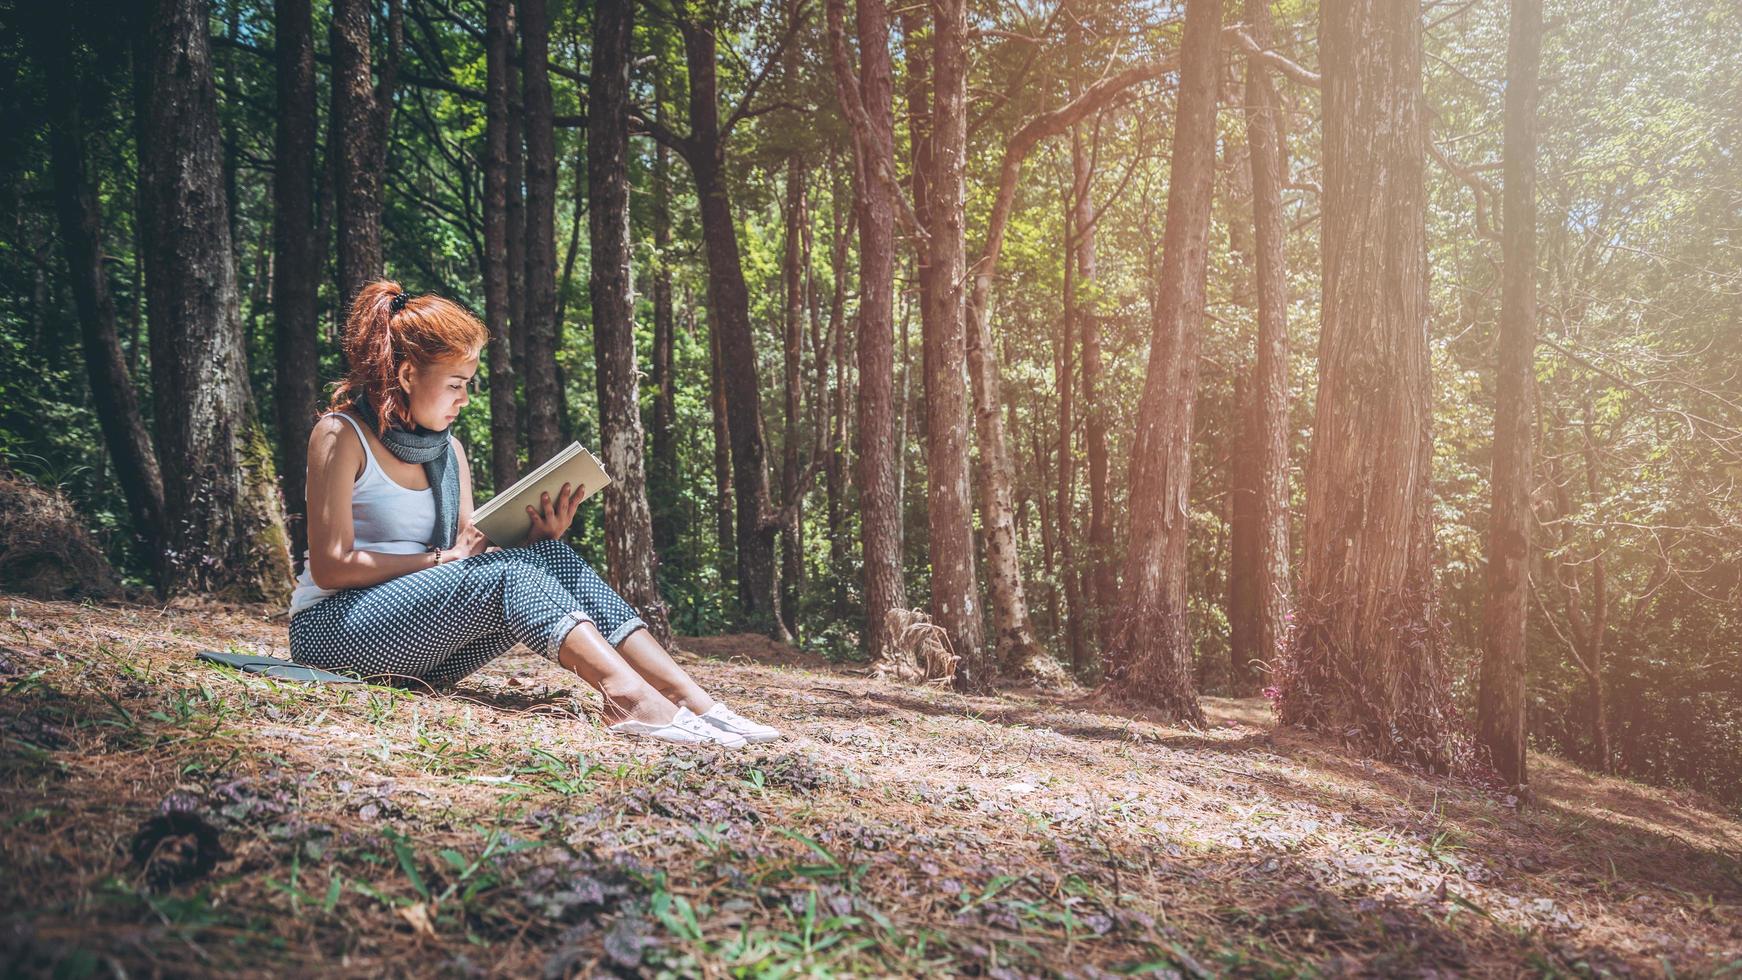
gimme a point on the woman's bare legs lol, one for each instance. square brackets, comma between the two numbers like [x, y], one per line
[626, 695]
[654, 664]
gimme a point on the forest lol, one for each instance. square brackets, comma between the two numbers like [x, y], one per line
[1360, 380]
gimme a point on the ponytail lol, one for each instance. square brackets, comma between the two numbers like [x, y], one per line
[388, 326]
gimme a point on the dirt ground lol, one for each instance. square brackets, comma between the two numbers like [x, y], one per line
[163, 817]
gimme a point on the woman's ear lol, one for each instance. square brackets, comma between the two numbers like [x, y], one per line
[405, 374]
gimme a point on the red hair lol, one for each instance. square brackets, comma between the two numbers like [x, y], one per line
[384, 330]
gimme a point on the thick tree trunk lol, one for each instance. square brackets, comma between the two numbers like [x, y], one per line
[1365, 659]
[877, 463]
[1500, 705]
[1264, 569]
[112, 389]
[358, 137]
[297, 263]
[792, 336]
[628, 522]
[955, 589]
[224, 524]
[1150, 661]
[543, 332]
[504, 412]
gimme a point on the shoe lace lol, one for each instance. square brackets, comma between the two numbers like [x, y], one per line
[696, 726]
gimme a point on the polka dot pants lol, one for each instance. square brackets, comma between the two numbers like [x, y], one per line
[442, 623]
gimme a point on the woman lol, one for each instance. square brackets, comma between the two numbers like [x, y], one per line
[399, 583]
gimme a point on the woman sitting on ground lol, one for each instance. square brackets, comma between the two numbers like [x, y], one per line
[399, 583]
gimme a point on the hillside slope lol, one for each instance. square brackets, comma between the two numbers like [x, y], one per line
[166, 817]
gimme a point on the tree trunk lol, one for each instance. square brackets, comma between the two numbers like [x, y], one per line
[1244, 535]
[726, 539]
[834, 361]
[1265, 445]
[515, 210]
[112, 389]
[224, 524]
[358, 137]
[729, 305]
[1365, 660]
[297, 271]
[664, 475]
[504, 412]
[628, 522]
[544, 430]
[1043, 474]
[1150, 661]
[955, 590]
[1064, 508]
[1500, 715]
[877, 463]
[1102, 582]
[792, 336]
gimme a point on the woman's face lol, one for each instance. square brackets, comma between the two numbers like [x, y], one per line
[439, 390]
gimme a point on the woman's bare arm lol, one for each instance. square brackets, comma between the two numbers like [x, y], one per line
[335, 460]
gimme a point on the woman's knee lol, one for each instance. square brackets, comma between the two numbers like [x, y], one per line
[549, 553]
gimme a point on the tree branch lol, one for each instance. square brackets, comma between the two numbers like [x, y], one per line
[1236, 34]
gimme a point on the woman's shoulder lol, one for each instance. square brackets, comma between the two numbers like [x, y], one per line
[333, 435]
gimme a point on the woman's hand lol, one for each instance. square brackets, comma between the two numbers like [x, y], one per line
[552, 519]
[468, 542]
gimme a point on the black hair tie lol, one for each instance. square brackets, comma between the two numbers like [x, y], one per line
[399, 301]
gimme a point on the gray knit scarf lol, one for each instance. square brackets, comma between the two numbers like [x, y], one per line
[434, 450]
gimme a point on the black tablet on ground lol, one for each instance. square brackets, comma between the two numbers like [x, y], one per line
[283, 670]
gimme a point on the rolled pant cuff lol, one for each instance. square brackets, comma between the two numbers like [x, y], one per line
[564, 627]
[621, 633]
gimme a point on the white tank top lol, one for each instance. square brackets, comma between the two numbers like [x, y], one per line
[385, 517]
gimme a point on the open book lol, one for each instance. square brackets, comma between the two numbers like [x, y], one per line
[504, 519]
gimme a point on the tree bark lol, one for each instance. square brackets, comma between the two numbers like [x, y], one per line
[792, 336]
[725, 537]
[834, 362]
[112, 388]
[224, 523]
[1064, 508]
[729, 306]
[955, 589]
[543, 332]
[1150, 661]
[1264, 571]
[1101, 579]
[504, 411]
[664, 475]
[1500, 716]
[297, 262]
[515, 211]
[870, 95]
[358, 137]
[1365, 658]
[628, 521]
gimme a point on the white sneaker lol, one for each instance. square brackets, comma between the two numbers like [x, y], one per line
[684, 728]
[726, 720]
